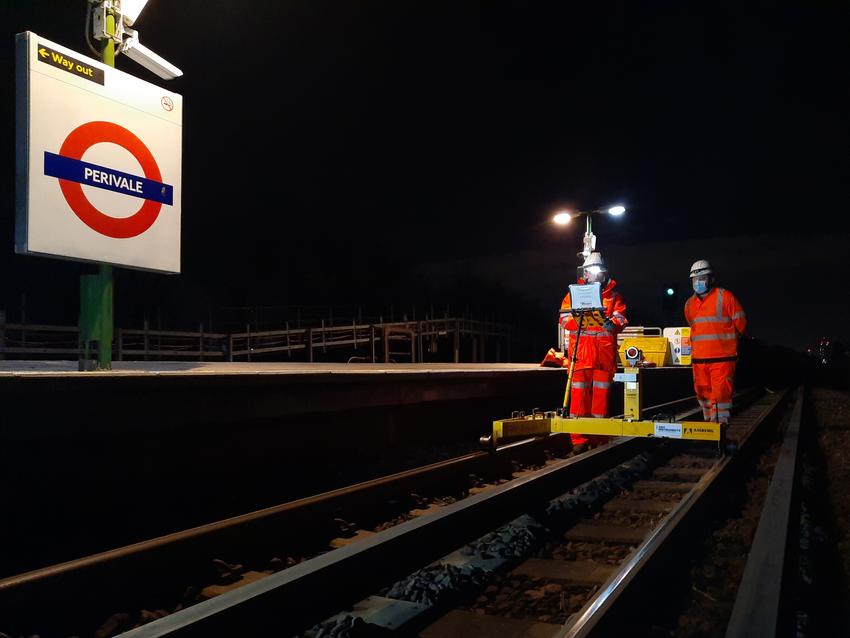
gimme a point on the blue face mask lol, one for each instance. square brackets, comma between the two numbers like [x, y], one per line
[700, 287]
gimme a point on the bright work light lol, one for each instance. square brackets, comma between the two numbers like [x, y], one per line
[670, 292]
[130, 10]
[616, 211]
[562, 218]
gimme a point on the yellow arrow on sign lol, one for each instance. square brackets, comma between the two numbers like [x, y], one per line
[43, 52]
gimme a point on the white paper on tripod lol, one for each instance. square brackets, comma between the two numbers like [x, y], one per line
[585, 296]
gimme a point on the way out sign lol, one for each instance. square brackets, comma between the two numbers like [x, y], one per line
[98, 161]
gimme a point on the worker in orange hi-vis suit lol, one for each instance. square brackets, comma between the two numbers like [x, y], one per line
[717, 322]
[596, 358]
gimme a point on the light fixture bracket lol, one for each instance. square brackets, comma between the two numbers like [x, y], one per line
[100, 10]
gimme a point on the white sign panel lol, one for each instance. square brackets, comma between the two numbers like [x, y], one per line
[668, 430]
[585, 296]
[680, 345]
[99, 156]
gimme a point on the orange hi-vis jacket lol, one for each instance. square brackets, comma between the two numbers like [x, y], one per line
[597, 347]
[716, 321]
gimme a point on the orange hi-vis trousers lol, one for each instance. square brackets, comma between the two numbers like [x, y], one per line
[714, 384]
[589, 397]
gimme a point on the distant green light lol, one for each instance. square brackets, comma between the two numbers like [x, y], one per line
[670, 292]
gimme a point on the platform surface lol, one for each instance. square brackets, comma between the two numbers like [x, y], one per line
[178, 368]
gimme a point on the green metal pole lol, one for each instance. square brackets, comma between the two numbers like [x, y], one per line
[104, 351]
[96, 291]
[108, 46]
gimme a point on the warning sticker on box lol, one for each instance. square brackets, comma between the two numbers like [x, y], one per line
[668, 430]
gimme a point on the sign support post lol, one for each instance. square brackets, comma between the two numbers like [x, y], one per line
[96, 291]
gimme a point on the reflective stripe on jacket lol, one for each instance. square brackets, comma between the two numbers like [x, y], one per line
[717, 321]
[597, 348]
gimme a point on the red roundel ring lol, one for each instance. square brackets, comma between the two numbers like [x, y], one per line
[78, 142]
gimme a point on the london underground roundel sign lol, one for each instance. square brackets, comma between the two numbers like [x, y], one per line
[98, 161]
[73, 173]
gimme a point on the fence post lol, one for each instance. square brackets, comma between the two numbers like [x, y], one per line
[202, 342]
[457, 341]
[324, 344]
[386, 345]
[147, 339]
[372, 341]
[248, 342]
[230, 347]
[309, 344]
[288, 343]
[420, 356]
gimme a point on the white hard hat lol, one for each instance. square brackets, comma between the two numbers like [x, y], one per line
[595, 259]
[701, 267]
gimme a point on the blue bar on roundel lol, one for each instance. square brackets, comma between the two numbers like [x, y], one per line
[107, 178]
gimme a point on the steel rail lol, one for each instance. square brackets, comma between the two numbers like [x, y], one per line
[92, 576]
[293, 600]
[758, 608]
[308, 507]
[279, 515]
[589, 621]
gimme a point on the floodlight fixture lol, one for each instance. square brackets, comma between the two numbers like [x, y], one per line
[616, 211]
[138, 52]
[127, 39]
[562, 218]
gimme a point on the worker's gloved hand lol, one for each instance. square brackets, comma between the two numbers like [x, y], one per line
[608, 325]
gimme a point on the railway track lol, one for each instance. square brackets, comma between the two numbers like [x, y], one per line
[480, 526]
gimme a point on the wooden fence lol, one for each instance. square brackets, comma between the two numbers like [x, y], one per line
[407, 341]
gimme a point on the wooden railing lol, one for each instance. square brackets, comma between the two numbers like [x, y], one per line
[406, 341]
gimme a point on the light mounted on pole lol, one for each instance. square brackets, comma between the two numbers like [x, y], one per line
[127, 39]
[563, 217]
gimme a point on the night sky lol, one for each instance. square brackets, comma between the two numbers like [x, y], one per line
[411, 153]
